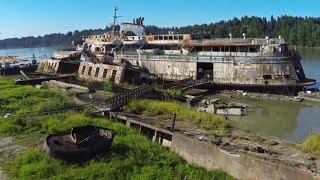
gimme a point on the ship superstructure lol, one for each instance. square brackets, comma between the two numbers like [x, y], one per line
[231, 62]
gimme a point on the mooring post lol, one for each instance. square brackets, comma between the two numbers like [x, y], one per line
[173, 122]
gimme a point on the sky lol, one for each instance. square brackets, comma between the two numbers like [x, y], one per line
[19, 18]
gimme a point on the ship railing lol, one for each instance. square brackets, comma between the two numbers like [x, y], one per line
[241, 41]
[208, 58]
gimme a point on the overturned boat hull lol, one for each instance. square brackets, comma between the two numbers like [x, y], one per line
[80, 144]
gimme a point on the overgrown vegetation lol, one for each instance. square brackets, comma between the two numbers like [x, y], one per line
[132, 156]
[312, 144]
[174, 92]
[166, 109]
[109, 85]
[22, 99]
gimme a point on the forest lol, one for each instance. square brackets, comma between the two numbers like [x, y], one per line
[301, 31]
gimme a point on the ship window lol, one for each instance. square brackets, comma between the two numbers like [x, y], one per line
[160, 37]
[113, 77]
[83, 69]
[267, 77]
[97, 72]
[90, 70]
[233, 49]
[175, 37]
[243, 49]
[206, 48]
[253, 49]
[156, 37]
[170, 37]
[215, 49]
[181, 37]
[105, 72]
[165, 37]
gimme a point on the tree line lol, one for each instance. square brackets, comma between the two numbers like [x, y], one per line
[301, 31]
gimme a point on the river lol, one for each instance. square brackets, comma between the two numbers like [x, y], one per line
[290, 121]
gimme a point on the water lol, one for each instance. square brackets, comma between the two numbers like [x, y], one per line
[28, 52]
[290, 121]
[311, 61]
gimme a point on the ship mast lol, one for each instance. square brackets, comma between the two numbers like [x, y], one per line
[114, 21]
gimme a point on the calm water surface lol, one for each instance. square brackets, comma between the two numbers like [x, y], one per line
[38, 52]
[290, 121]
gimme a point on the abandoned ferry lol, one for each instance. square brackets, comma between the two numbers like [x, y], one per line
[239, 63]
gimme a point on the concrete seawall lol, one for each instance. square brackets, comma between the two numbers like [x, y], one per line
[240, 165]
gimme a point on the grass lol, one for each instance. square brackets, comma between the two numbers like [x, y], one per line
[109, 85]
[22, 99]
[174, 92]
[312, 144]
[132, 155]
[166, 109]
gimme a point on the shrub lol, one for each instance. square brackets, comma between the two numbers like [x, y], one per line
[174, 92]
[109, 85]
[312, 144]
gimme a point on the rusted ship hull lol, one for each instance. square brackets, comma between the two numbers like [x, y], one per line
[80, 144]
[16, 70]
[276, 75]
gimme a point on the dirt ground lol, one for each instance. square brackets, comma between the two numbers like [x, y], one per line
[8, 148]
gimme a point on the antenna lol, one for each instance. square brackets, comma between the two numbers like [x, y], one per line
[115, 17]
[114, 20]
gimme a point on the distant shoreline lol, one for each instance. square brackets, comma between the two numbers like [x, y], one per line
[33, 47]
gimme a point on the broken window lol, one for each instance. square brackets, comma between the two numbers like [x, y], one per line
[233, 49]
[90, 70]
[83, 69]
[97, 72]
[206, 49]
[267, 77]
[253, 49]
[243, 49]
[105, 72]
[216, 49]
[113, 77]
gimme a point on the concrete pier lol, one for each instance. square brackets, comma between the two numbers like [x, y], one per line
[241, 165]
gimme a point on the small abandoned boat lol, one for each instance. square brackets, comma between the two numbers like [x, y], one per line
[80, 144]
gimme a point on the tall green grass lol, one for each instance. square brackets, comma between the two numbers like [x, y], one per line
[168, 108]
[312, 144]
[132, 156]
[22, 99]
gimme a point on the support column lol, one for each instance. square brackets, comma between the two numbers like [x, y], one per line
[154, 138]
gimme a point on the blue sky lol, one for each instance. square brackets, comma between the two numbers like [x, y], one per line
[20, 18]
